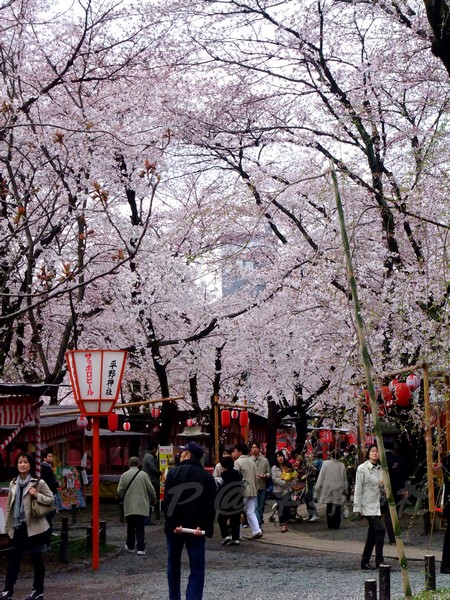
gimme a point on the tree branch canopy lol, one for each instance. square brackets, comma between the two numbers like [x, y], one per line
[438, 13]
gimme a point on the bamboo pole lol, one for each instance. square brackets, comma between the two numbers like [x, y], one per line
[371, 389]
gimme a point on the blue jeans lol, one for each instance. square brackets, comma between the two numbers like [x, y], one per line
[260, 502]
[195, 547]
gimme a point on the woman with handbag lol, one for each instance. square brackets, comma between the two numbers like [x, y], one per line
[27, 532]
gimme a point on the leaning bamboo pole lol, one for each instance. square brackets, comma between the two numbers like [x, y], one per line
[371, 389]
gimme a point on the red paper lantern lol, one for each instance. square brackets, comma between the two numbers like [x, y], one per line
[386, 396]
[243, 419]
[225, 418]
[155, 412]
[190, 423]
[82, 422]
[234, 414]
[127, 426]
[113, 421]
[413, 381]
[402, 394]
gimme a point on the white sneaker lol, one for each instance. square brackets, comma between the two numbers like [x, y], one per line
[234, 543]
[128, 550]
[226, 540]
[140, 552]
[313, 518]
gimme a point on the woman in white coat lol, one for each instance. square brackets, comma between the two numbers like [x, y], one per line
[331, 489]
[367, 496]
[27, 533]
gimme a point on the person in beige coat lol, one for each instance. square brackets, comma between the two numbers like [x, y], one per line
[137, 492]
[27, 533]
[247, 468]
[331, 489]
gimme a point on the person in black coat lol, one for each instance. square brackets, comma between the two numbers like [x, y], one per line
[188, 503]
[445, 561]
[49, 477]
[230, 503]
[398, 474]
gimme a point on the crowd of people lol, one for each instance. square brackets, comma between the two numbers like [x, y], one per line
[235, 495]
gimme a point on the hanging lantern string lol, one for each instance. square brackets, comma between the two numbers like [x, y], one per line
[76, 411]
[230, 405]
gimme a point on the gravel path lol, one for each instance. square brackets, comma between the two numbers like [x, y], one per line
[252, 571]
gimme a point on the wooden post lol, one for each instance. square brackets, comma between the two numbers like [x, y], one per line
[430, 572]
[447, 413]
[370, 589]
[64, 541]
[385, 582]
[95, 493]
[361, 432]
[216, 428]
[428, 441]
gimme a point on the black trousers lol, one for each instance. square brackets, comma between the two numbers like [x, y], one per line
[136, 532]
[375, 539]
[333, 516]
[234, 521]
[284, 504]
[20, 543]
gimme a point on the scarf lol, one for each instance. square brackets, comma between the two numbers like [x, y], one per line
[18, 508]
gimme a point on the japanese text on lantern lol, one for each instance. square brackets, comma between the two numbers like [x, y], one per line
[111, 377]
[88, 356]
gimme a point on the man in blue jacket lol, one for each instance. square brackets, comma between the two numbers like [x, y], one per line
[188, 503]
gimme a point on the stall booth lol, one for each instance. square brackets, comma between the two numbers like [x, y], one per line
[116, 448]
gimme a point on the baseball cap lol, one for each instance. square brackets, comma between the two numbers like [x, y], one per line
[194, 449]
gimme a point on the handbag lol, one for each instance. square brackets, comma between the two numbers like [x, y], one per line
[40, 510]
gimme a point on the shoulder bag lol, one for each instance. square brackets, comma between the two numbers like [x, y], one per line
[38, 509]
[128, 486]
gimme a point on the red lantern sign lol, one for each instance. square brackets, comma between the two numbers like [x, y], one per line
[225, 418]
[413, 381]
[243, 419]
[234, 414]
[127, 426]
[113, 421]
[95, 377]
[82, 422]
[190, 423]
[155, 412]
